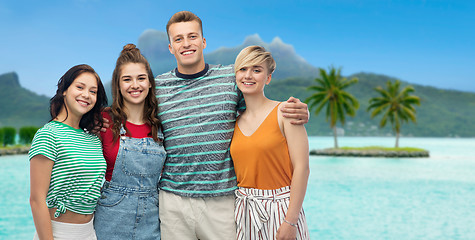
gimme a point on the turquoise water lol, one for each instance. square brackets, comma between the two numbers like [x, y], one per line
[347, 198]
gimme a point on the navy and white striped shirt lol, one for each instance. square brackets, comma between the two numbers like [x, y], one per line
[198, 113]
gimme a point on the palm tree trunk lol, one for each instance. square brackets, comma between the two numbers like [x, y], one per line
[397, 139]
[334, 137]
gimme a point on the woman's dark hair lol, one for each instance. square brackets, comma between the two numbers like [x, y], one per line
[91, 119]
[131, 54]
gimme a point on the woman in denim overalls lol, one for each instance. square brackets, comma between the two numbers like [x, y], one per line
[128, 207]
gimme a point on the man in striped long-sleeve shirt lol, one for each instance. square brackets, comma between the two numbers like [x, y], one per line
[198, 105]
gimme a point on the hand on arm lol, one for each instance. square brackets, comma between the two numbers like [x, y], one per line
[297, 142]
[40, 176]
[106, 122]
[105, 125]
[296, 110]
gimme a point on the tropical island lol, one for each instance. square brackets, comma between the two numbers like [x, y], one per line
[23, 107]
[372, 151]
[329, 93]
[394, 104]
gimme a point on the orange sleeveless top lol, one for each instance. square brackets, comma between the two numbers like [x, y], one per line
[262, 160]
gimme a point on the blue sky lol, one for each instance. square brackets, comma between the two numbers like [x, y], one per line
[422, 42]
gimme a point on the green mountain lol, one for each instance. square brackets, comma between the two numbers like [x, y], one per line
[21, 107]
[154, 46]
[442, 113]
[288, 62]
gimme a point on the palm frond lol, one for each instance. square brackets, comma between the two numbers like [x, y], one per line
[394, 104]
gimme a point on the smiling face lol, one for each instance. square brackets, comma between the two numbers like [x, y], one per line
[134, 84]
[187, 44]
[81, 95]
[252, 79]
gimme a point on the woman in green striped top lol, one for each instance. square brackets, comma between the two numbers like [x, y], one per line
[66, 163]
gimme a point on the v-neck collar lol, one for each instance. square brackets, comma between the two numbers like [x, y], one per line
[257, 129]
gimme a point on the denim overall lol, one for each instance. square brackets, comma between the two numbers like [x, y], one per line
[128, 206]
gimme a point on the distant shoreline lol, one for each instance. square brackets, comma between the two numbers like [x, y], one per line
[17, 150]
[315, 152]
[369, 153]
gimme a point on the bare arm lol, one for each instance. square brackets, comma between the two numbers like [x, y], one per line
[40, 176]
[297, 142]
[296, 110]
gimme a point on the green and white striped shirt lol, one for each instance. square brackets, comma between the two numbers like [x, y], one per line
[198, 113]
[78, 170]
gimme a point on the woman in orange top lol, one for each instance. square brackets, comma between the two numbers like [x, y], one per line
[270, 157]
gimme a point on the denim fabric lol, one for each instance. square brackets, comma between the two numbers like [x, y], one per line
[128, 206]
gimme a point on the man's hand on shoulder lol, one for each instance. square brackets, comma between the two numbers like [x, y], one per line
[296, 110]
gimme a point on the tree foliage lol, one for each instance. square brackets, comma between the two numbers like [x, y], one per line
[27, 134]
[2, 134]
[396, 106]
[8, 136]
[329, 92]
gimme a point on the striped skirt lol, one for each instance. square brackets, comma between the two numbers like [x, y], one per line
[259, 213]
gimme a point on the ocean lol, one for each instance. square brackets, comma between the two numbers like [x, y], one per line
[347, 198]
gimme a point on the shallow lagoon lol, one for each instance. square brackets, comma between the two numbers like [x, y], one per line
[347, 198]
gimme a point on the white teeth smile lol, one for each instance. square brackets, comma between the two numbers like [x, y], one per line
[248, 83]
[135, 93]
[187, 52]
[82, 103]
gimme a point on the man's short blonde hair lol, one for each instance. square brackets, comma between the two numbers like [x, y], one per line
[252, 56]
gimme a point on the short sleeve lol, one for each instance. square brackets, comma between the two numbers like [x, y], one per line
[44, 143]
[241, 104]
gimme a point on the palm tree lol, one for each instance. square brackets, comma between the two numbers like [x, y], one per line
[329, 92]
[396, 105]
